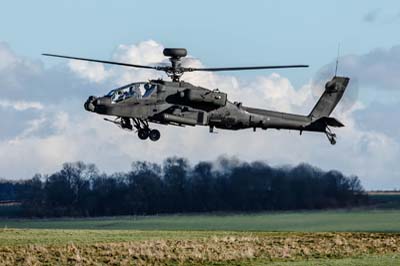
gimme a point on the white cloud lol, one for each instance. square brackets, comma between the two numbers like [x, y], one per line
[72, 134]
[376, 69]
[8, 58]
[144, 53]
[92, 71]
[20, 105]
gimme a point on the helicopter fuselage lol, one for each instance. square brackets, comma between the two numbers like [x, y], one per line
[180, 103]
[183, 104]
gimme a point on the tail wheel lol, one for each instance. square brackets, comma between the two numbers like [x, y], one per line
[143, 134]
[331, 136]
[154, 135]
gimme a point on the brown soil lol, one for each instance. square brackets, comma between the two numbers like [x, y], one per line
[285, 246]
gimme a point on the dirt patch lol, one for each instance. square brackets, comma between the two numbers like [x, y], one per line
[205, 250]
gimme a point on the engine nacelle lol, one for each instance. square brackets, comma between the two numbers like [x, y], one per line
[215, 98]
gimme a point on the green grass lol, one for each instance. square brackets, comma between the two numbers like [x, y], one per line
[322, 221]
[16, 237]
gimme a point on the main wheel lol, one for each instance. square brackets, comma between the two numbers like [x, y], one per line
[143, 134]
[154, 135]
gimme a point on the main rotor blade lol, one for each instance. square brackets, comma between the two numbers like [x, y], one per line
[105, 62]
[189, 69]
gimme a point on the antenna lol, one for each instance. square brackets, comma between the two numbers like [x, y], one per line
[337, 59]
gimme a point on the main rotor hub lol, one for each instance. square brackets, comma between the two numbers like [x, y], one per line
[175, 54]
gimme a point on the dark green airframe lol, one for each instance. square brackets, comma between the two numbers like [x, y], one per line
[180, 103]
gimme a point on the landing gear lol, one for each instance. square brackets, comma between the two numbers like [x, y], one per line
[154, 135]
[330, 135]
[126, 123]
[144, 131]
[142, 126]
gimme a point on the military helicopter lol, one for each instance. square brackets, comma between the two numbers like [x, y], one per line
[180, 103]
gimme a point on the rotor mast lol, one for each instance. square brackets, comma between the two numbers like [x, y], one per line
[175, 54]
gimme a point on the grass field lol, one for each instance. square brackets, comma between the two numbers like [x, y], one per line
[302, 238]
[322, 221]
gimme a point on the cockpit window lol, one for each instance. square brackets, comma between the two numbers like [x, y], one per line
[137, 90]
[148, 89]
[110, 93]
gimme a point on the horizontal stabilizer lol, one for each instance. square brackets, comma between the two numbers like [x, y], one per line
[331, 121]
[321, 123]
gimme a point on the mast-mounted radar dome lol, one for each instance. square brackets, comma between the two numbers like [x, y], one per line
[175, 52]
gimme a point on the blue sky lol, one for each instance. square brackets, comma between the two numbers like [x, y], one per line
[216, 33]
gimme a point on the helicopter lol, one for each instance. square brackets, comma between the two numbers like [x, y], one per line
[180, 103]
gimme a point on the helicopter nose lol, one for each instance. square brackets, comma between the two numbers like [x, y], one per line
[90, 104]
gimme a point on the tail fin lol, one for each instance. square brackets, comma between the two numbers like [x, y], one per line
[334, 90]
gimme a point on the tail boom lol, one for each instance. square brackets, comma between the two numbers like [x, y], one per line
[317, 121]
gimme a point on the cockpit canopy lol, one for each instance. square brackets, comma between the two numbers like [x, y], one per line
[138, 90]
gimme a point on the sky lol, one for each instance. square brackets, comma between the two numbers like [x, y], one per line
[41, 104]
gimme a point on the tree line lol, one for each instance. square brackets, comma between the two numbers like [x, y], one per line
[175, 186]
